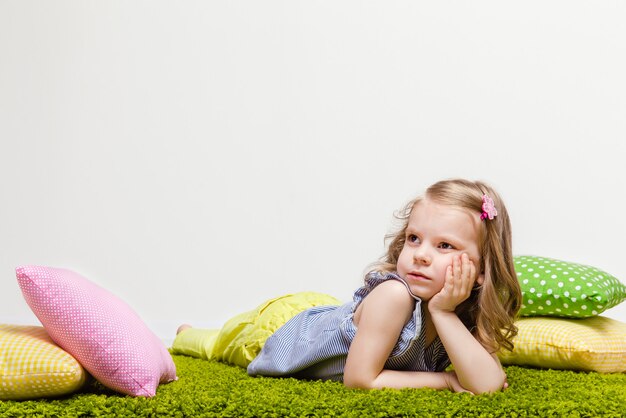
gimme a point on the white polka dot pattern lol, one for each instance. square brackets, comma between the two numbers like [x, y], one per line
[33, 366]
[100, 330]
[557, 288]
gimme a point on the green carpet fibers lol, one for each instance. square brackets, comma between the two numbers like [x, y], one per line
[207, 388]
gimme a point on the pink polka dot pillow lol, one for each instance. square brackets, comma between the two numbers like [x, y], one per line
[101, 331]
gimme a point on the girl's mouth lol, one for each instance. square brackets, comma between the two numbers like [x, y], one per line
[417, 276]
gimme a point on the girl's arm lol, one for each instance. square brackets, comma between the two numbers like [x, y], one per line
[477, 370]
[379, 320]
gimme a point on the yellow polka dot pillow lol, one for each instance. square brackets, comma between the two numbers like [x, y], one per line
[591, 344]
[32, 366]
[558, 288]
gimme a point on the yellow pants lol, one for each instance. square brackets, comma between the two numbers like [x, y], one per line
[241, 338]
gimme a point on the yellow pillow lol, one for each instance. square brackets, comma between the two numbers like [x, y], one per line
[33, 366]
[592, 344]
[241, 338]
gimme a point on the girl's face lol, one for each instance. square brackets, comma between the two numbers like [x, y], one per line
[434, 235]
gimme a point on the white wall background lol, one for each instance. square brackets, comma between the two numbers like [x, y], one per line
[198, 157]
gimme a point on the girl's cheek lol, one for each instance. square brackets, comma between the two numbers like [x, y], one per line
[448, 260]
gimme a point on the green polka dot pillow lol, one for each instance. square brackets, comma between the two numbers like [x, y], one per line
[558, 288]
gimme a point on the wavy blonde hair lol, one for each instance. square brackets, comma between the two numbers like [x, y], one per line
[490, 310]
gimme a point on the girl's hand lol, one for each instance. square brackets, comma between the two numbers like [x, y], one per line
[453, 382]
[459, 280]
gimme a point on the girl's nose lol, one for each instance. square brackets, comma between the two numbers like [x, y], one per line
[422, 257]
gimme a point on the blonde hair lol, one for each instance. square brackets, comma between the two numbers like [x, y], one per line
[490, 310]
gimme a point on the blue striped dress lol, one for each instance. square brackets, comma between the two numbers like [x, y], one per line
[314, 344]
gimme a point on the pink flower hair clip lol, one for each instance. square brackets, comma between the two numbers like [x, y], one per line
[489, 210]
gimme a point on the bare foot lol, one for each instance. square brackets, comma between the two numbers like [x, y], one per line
[182, 328]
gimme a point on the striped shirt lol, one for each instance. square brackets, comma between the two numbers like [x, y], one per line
[314, 344]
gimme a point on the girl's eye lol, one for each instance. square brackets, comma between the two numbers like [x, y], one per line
[446, 246]
[412, 238]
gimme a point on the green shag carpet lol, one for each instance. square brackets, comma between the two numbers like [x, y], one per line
[208, 389]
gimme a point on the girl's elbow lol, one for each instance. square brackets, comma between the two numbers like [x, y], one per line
[352, 381]
[488, 386]
[356, 384]
[482, 390]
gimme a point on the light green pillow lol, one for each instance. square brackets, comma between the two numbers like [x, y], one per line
[558, 288]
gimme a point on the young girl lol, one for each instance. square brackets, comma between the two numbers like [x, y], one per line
[445, 292]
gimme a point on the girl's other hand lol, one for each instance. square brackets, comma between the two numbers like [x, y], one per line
[459, 280]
